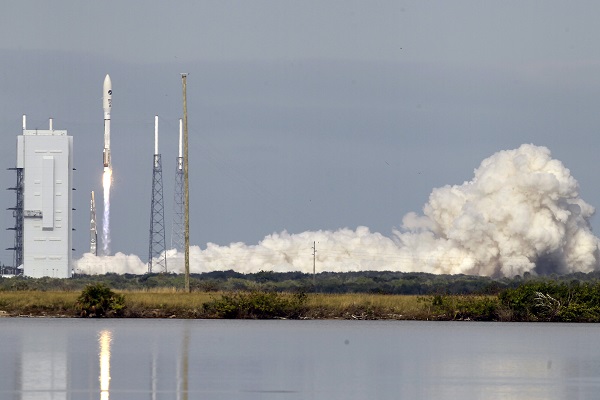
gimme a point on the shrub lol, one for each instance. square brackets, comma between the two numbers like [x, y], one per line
[552, 301]
[460, 307]
[97, 300]
[257, 305]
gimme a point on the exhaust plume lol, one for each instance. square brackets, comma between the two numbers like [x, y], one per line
[521, 212]
[106, 182]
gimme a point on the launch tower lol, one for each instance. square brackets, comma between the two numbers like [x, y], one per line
[18, 228]
[45, 158]
[157, 254]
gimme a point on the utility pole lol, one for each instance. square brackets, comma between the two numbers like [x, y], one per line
[186, 185]
[177, 229]
[314, 263]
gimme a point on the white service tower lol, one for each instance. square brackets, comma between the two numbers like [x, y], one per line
[46, 157]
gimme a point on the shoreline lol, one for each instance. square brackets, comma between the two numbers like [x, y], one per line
[546, 301]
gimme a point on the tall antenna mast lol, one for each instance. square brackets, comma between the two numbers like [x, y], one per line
[157, 249]
[314, 263]
[186, 181]
[93, 230]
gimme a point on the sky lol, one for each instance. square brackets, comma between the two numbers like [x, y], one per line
[303, 115]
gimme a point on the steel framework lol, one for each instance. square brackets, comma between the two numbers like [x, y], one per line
[157, 254]
[18, 214]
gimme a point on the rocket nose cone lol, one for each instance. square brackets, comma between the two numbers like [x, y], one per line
[107, 97]
[107, 84]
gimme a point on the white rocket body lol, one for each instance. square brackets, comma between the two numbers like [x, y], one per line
[107, 105]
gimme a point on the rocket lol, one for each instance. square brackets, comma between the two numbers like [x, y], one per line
[107, 105]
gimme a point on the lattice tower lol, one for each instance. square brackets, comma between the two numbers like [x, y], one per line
[157, 256]
[18, 215]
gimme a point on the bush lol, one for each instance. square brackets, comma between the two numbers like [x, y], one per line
[463, 307]
[97, 300]
[552, 301]
[257, 305]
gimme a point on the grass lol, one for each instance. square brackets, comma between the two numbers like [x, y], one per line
[365, 306]
[169, 303]
[39, 303]
[164, 304]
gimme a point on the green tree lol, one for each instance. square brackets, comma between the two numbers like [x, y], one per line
[97, 300]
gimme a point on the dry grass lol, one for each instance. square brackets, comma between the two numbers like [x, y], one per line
[159, 303]
[38, 303]
[176, 299]
[365, 306]
[163, 303]
[342, 301]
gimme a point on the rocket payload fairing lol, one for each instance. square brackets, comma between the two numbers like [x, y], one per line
[107, 105]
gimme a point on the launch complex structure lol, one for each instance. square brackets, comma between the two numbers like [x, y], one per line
[44, 200]
[43, 213]
[157, 255]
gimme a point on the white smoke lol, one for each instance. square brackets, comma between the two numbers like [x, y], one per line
[119, 263]
[520, 213]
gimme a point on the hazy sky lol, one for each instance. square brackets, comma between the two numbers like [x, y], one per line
[303, 115]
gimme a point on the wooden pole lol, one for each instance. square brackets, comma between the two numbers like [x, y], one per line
[186, 186]
[314, 264]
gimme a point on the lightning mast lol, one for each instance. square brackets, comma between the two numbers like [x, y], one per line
[178, 228]
[18, 214]
[157, 212]
[93, 230]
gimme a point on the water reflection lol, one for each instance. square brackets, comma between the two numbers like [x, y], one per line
[114, 360]
[104, 341]
[154, 379]
[44, 368]
[168, 366]
[183, 377]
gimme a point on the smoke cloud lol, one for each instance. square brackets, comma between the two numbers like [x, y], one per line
[520, 213]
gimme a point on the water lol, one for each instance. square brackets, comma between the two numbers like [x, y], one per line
[195, 359]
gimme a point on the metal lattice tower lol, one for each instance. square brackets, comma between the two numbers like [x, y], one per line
[93, 230]
[157, 248]
[18, 214]
[178, 228]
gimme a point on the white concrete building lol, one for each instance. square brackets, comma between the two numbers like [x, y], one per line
[46, 157]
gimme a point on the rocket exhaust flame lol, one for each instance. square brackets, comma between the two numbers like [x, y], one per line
[106, 181]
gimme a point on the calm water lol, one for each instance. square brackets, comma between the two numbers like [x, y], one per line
[179, 359]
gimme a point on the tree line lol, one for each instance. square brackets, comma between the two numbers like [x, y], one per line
[380, 282]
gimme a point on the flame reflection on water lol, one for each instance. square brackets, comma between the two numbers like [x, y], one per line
[105, 338]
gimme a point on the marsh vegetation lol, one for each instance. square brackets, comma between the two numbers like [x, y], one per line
[269, 295]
